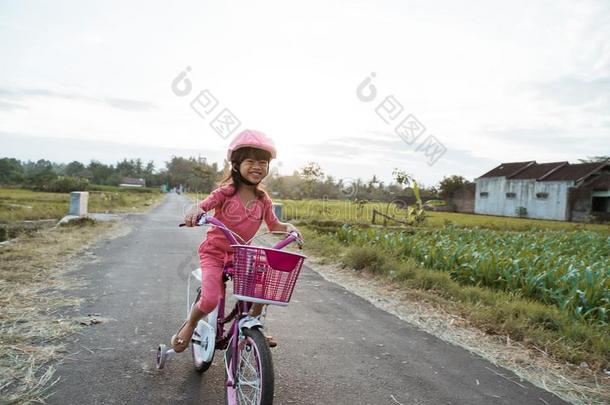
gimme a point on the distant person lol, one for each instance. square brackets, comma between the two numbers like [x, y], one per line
[241, 205]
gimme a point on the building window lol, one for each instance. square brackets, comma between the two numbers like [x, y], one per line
[542, 196]
[511, 195]
[483, 194]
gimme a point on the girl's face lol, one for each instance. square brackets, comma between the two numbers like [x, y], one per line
[254, 170]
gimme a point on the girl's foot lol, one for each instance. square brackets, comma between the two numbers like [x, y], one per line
[181, 340]
[271, 341]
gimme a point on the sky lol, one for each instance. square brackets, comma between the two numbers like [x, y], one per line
[434, 88]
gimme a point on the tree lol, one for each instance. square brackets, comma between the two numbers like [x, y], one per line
[130, 168]
[75, 169]
[11, 171]
[448, 185]
[100, 173]
[40, 174]
[195, 174]
[311, 173]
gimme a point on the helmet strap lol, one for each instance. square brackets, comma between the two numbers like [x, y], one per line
[242, 178]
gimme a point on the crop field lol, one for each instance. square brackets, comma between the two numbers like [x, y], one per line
[531, 258]
[570, 270]
[346, 211]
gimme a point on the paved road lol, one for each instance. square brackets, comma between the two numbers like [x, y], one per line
[335, 348]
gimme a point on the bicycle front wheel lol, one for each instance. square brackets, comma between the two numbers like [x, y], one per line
[254, 379]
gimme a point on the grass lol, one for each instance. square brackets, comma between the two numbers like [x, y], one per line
[18, 205]
[496, 312]
[32, 277]
[345, 211]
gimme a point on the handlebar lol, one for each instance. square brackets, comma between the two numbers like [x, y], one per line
[204, 219]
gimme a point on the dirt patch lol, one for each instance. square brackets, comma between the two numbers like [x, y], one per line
[578, 385]
[33, 285]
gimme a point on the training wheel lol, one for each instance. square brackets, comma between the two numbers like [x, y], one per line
[161, 356]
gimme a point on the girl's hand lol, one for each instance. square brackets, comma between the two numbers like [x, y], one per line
[190, 219]
[292, 228]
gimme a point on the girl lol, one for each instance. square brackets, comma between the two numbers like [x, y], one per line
[241, 206]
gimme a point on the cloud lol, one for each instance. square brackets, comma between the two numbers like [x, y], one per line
[536, 136]
[130, 105]
[574, 91]
[352, 147]
[547, 144]
[380, 151]
[118, 103]
[7, 106]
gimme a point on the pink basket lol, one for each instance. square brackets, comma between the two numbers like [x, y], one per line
[265, 275]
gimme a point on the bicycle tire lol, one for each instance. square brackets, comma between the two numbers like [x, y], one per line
[259, 350]
[201, 366]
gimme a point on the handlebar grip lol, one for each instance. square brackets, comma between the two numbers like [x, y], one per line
[196, 220]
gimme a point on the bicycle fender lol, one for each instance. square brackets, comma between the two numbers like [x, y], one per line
[250, 323]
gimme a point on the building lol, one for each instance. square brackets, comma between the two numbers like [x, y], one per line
[558, 190]
[132, 182]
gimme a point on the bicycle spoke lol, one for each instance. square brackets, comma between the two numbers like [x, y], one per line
[248, 378]
[240, 395]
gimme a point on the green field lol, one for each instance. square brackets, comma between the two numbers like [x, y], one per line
[570, 270]
[21, 205]
[345, 211]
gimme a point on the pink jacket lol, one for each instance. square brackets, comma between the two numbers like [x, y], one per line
[231, 211]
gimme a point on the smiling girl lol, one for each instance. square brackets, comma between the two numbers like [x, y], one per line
[241, 205]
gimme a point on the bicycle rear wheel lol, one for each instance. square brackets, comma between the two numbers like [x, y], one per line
[254, 382]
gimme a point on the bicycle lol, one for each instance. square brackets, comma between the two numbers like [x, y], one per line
[260, 275]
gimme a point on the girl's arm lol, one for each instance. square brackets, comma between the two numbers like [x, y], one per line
[215, 199]
[272, 222]
[283, 227]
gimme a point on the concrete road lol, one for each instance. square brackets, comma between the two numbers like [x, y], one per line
[335, 348]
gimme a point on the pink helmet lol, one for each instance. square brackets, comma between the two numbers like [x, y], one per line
[251, 139]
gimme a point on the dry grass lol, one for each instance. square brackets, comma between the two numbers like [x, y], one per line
[32, 328]
[21, 205]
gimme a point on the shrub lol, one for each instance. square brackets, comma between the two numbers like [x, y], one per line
[364, 257]
[63, 184]
[405, 270]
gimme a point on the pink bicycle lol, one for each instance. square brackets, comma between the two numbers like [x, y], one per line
[260, 275]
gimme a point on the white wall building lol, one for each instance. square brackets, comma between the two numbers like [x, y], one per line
[559, 190]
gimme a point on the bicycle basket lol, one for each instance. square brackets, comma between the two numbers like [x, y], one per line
[265, 275]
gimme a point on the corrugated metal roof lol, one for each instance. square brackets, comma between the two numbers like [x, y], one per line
[508, 169]
[599, 182]
[575, 172]
[554, 171]
[538, 170]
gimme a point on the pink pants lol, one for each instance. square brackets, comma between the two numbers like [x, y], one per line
[212, 288]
